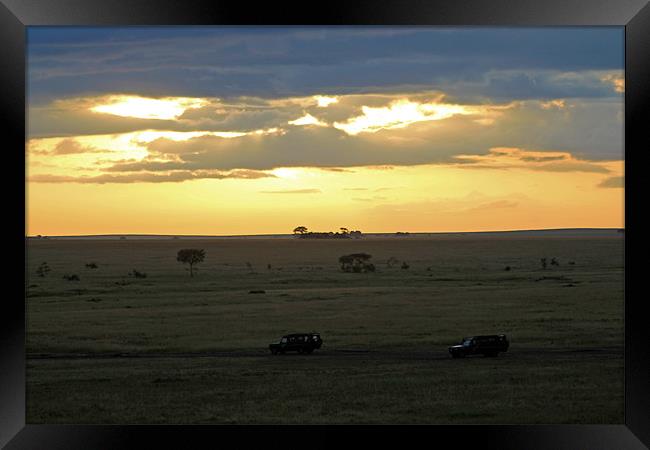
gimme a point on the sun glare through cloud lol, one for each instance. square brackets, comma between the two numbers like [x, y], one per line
[323, 101]
[398, 114]
[147, 108]
[307, 119]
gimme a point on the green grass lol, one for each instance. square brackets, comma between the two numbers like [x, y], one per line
[454, 287]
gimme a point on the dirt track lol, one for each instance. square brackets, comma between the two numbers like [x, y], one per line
[528, 352]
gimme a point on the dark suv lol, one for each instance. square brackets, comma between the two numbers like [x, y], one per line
[299, 342]
[480, 345]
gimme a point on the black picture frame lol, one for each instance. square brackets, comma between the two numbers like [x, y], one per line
[634, 15]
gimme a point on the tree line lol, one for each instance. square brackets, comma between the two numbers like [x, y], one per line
[344, 233]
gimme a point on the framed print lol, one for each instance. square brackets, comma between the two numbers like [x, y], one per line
[377, 218]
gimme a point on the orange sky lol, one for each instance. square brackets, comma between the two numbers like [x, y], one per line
[506, 146]
[506, 189]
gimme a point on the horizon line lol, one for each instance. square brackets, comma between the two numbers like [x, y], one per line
[292, 234]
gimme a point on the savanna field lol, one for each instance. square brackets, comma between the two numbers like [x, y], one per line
[164, 347]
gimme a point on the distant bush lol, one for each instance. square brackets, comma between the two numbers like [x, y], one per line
[392, 261]
[72, 277]
[543, 262]
[250, 267]
[554, 262]
[572, 263]
[356, 263]
[91, 265]
[43, 269]
[135, 274]
[405, 266]
[507, 269]
[268, 266]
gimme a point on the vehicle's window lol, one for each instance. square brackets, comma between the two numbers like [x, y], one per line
[284, 340]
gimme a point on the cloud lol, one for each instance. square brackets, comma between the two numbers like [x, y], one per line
[335, 169]
[612, 182]
[616, 80]
[307, 119]
[324, 101]
[467, 204]
[412, 121]
[382, 189]
[498, 204]
[68, 146]
[370, 199]
[538, 160]
[558, 104]
[146, 108]
[460, 142]
[398, 114]
[572, 166]
[293, 191]
[550, 86]
[374, 130]
[543, 158]
[295, 61]
[175, 176]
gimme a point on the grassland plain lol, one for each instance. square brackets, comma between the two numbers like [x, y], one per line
[169, 348]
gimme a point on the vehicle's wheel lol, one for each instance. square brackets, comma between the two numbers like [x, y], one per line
[308, 351]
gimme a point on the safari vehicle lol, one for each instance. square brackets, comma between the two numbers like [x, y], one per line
[490, 345]
[299, 342]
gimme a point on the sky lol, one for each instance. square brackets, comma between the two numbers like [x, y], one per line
[257, 130]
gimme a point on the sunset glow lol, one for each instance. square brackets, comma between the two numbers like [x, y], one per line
[307, 119]
[232, 140]
[147, 108]
[398, 114]
[324, 102]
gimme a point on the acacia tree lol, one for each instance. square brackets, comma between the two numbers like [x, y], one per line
[190, 256]
[300, 230]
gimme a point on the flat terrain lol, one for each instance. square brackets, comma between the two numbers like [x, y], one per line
[168, 348]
